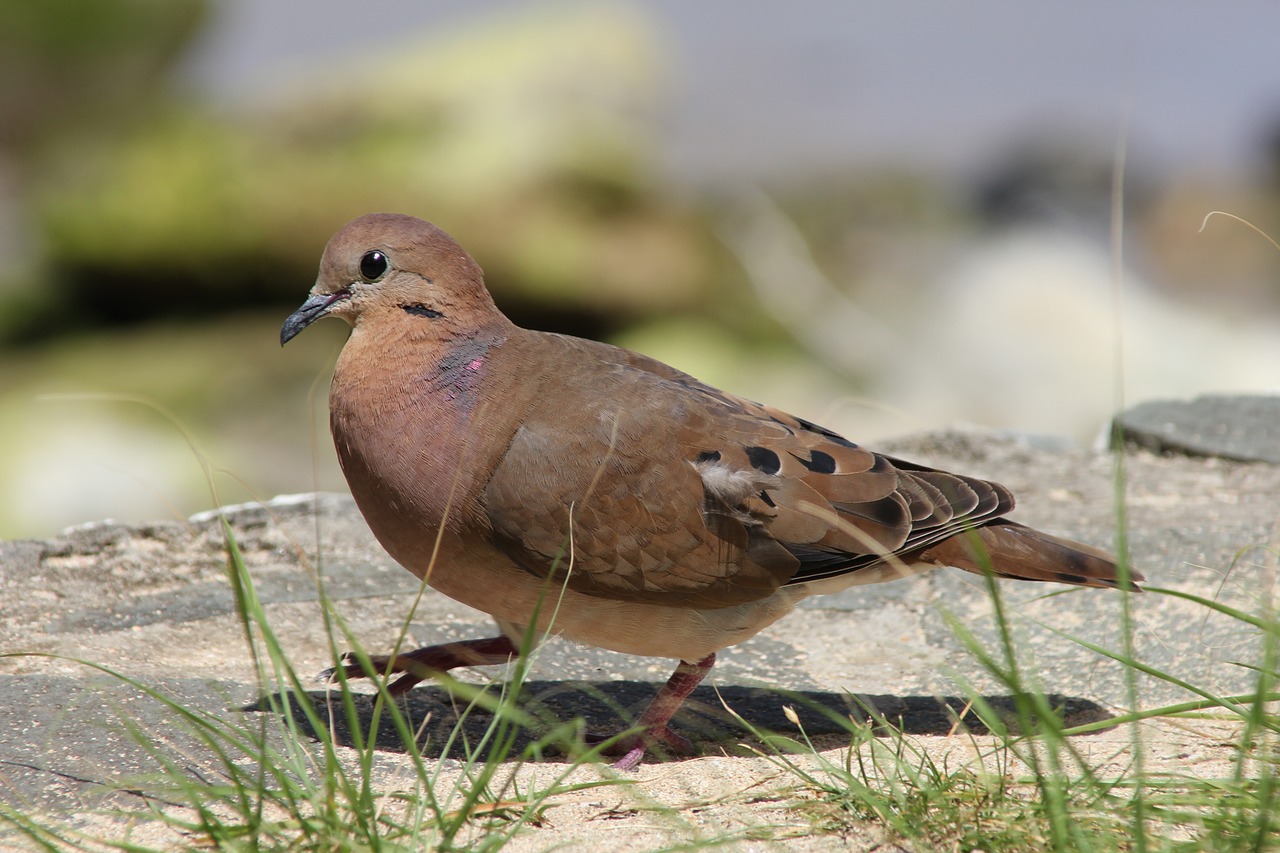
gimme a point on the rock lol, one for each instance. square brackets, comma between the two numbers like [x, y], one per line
[1241, 428]
[153, 603]
[1023, 330]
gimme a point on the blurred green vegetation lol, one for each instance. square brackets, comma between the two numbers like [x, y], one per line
[141, 207]
[73, 65]
[529, 141]
[83, 70]
[152, 241]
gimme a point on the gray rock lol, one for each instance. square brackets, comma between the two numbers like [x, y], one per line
[1242, 428]
[155, 605]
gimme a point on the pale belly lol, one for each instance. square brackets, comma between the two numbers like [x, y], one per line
[485, 579]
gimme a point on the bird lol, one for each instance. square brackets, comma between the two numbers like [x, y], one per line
[666, 518]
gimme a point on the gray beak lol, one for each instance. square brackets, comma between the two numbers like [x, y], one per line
[316, 306]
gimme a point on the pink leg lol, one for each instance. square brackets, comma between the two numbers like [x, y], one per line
[424, 662]
[655, 717]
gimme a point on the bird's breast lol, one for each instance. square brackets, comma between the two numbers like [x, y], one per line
[413, 439]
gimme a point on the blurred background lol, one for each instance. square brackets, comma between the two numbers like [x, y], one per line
[883, 217]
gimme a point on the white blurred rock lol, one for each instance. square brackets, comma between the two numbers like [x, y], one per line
[1024, 334]
[81, 461]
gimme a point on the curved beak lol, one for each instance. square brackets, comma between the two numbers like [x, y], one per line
[316, 306]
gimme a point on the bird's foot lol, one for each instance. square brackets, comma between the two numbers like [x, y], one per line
[633, 747]
[653, 722]
[351, 668]
[420, 664]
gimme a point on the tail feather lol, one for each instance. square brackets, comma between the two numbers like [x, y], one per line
[1013, 550]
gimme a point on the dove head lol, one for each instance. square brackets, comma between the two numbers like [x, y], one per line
[390, 263]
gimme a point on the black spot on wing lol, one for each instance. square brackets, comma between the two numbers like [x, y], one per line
[818, 462]
[763, 459]
[886, 512]
[708, 456]
[818, 563]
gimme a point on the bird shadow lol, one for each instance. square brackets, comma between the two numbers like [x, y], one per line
[448, 725]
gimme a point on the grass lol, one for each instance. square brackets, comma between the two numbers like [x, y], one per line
[1030, 787]
[283, 780]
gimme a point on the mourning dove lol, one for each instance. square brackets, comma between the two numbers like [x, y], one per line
[604, 496]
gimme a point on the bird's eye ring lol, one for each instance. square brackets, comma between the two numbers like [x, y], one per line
[374, 265]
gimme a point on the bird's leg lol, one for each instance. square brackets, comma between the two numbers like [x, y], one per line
[424, 662]
[653, 721]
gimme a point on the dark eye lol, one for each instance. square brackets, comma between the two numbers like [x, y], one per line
[373, 265]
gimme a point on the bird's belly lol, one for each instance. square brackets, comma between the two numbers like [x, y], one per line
[491, 583]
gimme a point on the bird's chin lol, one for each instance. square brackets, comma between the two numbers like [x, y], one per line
[317, 305]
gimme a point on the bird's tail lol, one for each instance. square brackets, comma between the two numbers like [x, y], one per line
[1014, 551]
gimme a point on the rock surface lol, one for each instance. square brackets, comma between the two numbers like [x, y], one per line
[1243, 428]
[154, 603]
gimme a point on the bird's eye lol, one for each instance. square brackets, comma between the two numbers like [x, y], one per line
[373, 265]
